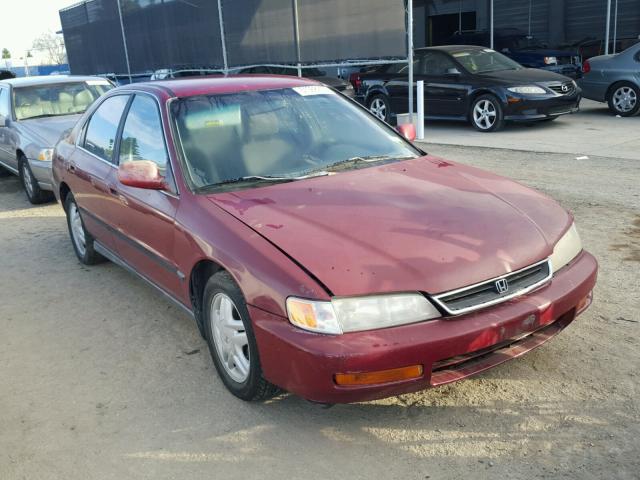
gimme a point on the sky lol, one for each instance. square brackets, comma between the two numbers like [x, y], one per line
[24, 20]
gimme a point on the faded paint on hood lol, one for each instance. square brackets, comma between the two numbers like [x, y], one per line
[417, 225]
[47, 130]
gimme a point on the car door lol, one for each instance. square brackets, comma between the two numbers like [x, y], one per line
[145, 238]
[92, 169]
[7, 140]
[445, 91]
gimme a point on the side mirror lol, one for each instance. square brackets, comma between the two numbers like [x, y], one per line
[141, 174]
[3, 121]
[407, 130]
[453, 72]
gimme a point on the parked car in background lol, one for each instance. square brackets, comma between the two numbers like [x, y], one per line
[318, 250]
[524, 49]
[336, 83]
[474, 84]
[34, 112]
[614, 79]
[168, 73]
[124, 79]
[595, 48]
[6, 74]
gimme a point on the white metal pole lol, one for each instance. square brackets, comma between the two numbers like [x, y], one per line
[296, 34]
[606, 37]
[223, 39]
[491, 21]
[124, 41]
[410, 54]
[420, 119]
[615, 27]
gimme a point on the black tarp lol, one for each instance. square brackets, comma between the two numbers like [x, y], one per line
[186, 33]
[92, 38]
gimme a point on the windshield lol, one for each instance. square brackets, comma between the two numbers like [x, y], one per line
[278, 135]
[57, 99]
[485, 61]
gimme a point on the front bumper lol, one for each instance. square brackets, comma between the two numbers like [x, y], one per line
[532, 108]
[449, 349]
[42, 171]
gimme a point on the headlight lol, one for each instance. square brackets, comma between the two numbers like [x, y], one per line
[550, 60]
[45, 155]
[355, 314]
[528, 90]
[567, 248]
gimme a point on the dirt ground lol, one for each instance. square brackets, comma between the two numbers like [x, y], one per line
[101, 378]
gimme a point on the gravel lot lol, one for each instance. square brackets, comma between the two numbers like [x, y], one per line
[101, 378]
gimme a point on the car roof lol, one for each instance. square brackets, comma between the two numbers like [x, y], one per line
[47, 80]
[211, 85]
[453, 48]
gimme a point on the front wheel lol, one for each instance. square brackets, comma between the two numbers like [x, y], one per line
[35, 194]
[625, 99]
[486, 114]
[229, 334]
[380, 107]
[81, 240]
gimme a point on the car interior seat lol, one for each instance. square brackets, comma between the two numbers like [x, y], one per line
[211, 140]
[28, 105]
[267, 150]
[82, 100]
[64, 103]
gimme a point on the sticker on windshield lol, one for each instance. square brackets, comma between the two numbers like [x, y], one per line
[461, 54]
[97, 82]
[308, 90]
[488, 50]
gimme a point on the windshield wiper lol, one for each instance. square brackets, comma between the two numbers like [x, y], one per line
[350, 162]
[262, 179]
[44, 115]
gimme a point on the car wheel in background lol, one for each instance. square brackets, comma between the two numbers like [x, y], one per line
[624, 99]
[81, 240]
[229, 334]
[35, 194]
[379, 105]
[486, 114]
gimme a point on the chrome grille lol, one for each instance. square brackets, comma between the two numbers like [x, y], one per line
[567, 86]
[495, 290]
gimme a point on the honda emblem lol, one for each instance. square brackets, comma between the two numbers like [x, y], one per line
[502, 286]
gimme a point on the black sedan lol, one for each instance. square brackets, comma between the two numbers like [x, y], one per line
[470, 83]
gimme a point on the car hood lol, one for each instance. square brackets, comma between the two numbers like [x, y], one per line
[418, 225]
[334, 82]
[49, 129]
[525, 75]
[546, 52]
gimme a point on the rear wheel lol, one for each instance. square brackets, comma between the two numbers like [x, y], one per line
[35, 194]
[229, 334]
[380, 107]
[624, 99]
[81, 240]
[486, 114]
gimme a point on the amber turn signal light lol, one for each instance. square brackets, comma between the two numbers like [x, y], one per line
[379, 377]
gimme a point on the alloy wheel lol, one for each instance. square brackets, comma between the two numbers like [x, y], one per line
[378, 108]
[27, 179]
[484, 114]
[625, 99]
[77, 229]
[230, 337]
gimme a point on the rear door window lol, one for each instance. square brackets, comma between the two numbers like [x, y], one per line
[102, 129]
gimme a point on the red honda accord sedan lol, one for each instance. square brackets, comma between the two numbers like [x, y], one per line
[318, 250]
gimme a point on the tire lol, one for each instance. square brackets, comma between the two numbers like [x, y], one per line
[486, 114]
[81, 240]
[380, 107]
[624, 99]
[34, 193]
[237, 361]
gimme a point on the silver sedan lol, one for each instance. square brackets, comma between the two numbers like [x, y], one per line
[614, 79]
[34, 112]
